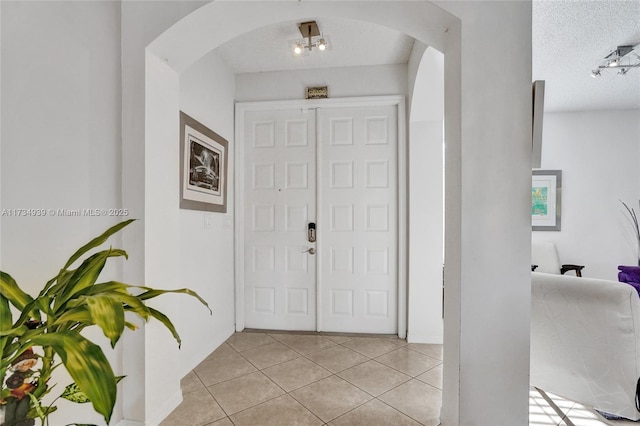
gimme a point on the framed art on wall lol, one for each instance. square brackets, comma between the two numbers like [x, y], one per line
[546, 188]
[203, 167]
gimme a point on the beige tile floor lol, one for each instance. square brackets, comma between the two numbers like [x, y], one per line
[262, 379]
[309, 379]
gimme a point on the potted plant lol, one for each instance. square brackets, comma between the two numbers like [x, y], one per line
[633, 219]
[631, 274]
[47, 334]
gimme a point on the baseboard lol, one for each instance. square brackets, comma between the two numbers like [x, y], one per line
[158, 415]
[432, 339]
[125, 422]
[166, 409]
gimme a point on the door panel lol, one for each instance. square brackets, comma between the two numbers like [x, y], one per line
[355, 166]
[280, 198]
[358, 219]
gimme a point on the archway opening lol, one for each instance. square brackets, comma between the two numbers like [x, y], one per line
[167, 60]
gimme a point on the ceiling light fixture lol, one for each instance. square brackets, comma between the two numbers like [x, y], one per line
[312, 38]
[623, 58]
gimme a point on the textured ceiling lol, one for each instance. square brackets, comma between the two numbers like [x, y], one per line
[570, 38]
[351, 43]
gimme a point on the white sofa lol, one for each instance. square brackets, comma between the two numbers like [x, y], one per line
[585, 341]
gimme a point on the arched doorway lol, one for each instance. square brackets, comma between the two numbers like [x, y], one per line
[472, 221]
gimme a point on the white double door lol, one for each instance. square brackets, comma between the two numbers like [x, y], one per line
[335, 168]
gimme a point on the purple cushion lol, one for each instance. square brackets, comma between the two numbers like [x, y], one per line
[630, 275]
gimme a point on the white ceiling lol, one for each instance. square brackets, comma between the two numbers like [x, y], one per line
[350, 43]
[570, 38]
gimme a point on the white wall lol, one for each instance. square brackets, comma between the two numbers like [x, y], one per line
[206, 258]
[598, 153]
[141, 22]
[487, 221]
[488, 234]
[426, 201]
[162, 238]
[484, 233]
[342, 82]
[60, 144]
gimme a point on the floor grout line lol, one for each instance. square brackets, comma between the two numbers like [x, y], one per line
[234, 353]
[306, 356]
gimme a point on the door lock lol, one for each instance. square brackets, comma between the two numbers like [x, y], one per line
[311, 232]
[310, 250]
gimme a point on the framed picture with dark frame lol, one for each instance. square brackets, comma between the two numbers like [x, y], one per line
[546, 191]
[203, 167]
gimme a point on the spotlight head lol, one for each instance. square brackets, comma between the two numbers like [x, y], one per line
[322, 44]
[620, 59]
[297, 49]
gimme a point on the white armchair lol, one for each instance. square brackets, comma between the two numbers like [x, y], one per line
[544, 258]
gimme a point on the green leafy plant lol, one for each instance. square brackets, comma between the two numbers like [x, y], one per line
[633, 218]
[47, 334]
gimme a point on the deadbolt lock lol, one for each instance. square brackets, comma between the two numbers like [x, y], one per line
[311, 232]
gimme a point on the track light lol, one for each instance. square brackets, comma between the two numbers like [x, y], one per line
[622, 58]
[311, 38]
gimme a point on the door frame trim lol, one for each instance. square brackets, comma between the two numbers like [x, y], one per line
[238, 153]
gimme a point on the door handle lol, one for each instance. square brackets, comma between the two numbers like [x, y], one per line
[310, 250]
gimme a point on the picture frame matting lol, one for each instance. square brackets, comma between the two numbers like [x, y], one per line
[203, 167]
[546, 197]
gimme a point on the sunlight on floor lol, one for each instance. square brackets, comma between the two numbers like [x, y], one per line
[565, 413]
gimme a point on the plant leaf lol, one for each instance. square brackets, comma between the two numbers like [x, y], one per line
[108, 287]
[96, 242]
[151, 293]
[73, 393]
[14, 294]
[85, 276]
[5, 329]
[87, 365]
[33, 413]
[60, 280]
[79, 314]
[118, 291]
[108, 314]
[13, 332]
[167, 323]
[131, 326]
[5, 313]
[28, 312]
[38, 409]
